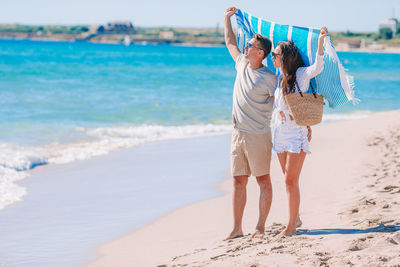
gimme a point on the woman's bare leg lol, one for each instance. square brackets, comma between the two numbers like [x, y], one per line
[294, 164]
[282, 160]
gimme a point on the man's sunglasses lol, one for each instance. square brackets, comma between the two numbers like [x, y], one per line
[250, 45]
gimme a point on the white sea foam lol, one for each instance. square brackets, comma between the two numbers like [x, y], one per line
[103, 140]
[9, 191]
[15, 160]
[21, 158]
[346, 116]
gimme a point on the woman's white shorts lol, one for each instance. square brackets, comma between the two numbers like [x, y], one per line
[290, 137]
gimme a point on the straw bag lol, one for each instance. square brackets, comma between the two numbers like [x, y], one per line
[306, 108]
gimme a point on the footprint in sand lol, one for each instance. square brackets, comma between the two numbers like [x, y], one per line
[217, 257]
[390, 188]
[323, 257]
[235, 249]
[396, 236]
[277, 248]
[262, 253]
[391, 240]
[355, 210]
[395, 192]
[358, 244]
[374, 221]
[370, 202]
[384, 259]
[197, 250]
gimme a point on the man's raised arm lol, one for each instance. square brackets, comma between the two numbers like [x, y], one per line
[230, 38]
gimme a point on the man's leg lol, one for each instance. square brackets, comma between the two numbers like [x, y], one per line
[265, 202]
[239, 202]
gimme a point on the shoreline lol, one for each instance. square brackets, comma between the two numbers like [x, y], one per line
[168, 242]
[89, 202]
[79, 151]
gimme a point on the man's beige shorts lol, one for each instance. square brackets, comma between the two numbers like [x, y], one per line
[250, 153]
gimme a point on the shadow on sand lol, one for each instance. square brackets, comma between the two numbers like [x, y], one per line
[379, 229]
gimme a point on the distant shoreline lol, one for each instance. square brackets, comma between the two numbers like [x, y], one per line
[133, 42]
[116, 43]
[124, 32]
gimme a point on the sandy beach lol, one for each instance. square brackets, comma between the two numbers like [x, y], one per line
[350, 197]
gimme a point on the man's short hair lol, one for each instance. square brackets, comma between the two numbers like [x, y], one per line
[265, 43]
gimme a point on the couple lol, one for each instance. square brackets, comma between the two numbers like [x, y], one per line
[256, 91]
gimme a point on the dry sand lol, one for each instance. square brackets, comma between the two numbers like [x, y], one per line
[350, 207]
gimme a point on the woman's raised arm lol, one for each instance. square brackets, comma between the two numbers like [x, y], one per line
[316, 68]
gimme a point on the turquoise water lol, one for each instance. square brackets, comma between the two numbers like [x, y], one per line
[377, 80]
[63, 101]
[48, 89]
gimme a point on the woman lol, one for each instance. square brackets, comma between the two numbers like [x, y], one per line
[291, 140]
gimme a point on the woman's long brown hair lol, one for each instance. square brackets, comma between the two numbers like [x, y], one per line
[291, 61]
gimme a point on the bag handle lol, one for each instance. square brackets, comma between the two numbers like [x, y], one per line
[312, 88]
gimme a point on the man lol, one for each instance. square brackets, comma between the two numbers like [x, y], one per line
[251, 113]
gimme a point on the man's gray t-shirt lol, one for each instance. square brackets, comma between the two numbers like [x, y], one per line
[253, 97]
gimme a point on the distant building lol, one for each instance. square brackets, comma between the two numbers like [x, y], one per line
[125, 27]
[119, 27]
[392, 24]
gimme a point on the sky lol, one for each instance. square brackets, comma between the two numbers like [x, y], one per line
[337, 15]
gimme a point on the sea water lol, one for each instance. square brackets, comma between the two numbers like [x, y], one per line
[66, 101]
[63, 102]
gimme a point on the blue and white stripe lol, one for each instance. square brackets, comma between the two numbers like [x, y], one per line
[332, 83]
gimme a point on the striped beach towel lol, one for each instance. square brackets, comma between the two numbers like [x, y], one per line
[332, 83]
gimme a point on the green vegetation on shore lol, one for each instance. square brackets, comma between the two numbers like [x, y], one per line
[211, 36]
[385, 36]
[52, 29]
[115, 33]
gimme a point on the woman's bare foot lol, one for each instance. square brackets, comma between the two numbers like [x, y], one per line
[258, 234]
[287, 232]
[299, 223]
[235, 234]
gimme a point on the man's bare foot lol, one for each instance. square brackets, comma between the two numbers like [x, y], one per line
[258, 234]
[234, 234]
[299, 223]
